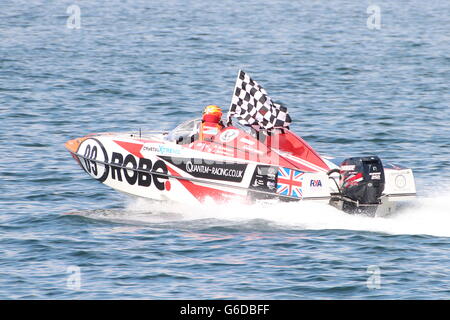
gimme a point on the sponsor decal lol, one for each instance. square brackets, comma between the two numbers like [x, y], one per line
[141, 171]
[353, 180]
[161, 149]
[258, 183]
[263, 179]
[271, 172]
[190, 167]
[348, 168]
[315, 183]
[209, 169]
[229, 135]
[400, 181]
[375, 175]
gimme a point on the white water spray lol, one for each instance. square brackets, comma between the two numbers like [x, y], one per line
[424, 216]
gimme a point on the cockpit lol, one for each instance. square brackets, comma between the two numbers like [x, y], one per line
[184, 129]
[187, 131]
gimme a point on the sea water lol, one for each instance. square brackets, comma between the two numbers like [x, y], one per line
[358, 78]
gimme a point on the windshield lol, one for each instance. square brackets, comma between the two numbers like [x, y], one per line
[247, 129]
[185, 129]
[191, 127]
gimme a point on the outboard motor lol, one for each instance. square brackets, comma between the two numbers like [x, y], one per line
[361, 184]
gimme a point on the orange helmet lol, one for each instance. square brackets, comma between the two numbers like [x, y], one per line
[212, 113]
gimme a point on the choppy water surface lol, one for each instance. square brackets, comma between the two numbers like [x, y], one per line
[151, 64]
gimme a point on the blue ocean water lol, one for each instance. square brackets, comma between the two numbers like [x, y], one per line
[350, 90]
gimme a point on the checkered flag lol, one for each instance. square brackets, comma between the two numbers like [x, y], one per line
[252, 106]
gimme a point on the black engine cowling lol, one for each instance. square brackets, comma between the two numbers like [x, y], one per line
[362, 181]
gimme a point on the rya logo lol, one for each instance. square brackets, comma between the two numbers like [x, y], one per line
[315, 183]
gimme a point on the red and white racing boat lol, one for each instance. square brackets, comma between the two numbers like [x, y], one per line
[239, 163]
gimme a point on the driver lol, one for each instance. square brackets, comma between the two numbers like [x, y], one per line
[211, 123]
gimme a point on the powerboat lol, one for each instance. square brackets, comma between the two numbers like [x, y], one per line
[256, 158]
[239, 163]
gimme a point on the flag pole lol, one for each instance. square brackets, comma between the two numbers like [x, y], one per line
[230, 113]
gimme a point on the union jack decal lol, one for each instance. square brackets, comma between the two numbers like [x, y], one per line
[290, 182]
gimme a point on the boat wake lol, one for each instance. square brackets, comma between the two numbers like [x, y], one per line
[425, 216]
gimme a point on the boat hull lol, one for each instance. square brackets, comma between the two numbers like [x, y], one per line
[160, 170]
